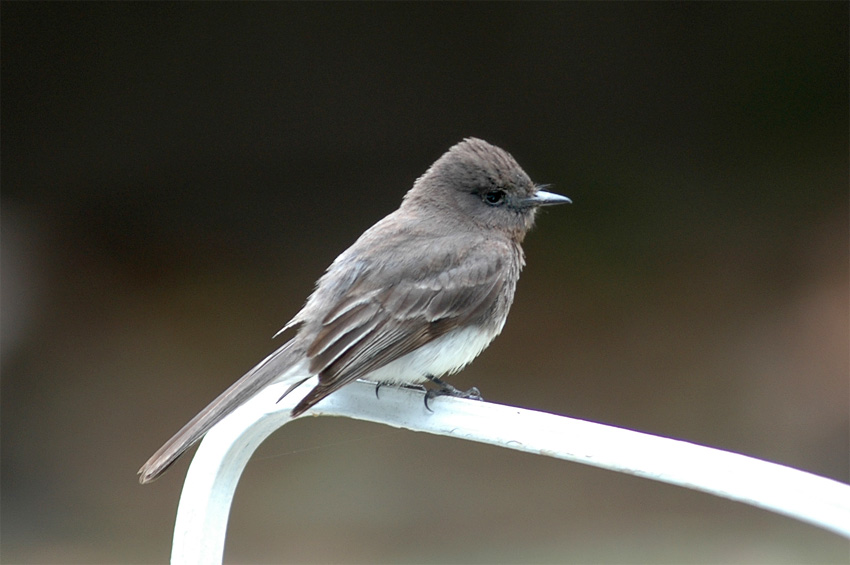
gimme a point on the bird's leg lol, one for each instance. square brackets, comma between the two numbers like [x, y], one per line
[448, 390]
[412, 387]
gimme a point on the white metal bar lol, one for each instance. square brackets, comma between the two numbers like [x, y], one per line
[201, 525]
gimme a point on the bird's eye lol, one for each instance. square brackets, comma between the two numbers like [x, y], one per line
[494, 197]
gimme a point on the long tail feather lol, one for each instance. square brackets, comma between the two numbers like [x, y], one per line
[267, 371]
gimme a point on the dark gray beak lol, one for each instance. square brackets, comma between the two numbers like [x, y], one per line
[544, 198]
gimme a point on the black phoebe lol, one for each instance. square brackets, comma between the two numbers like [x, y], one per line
[419, 295]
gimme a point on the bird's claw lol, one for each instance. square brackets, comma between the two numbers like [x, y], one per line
[448, 390]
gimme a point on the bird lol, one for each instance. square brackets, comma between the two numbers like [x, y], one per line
[416, 297]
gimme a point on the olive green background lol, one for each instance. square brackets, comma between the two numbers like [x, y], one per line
[176, 176]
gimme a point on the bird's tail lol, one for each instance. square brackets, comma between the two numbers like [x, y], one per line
[266, 372]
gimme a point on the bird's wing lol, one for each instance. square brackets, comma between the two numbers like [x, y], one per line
[378, 321]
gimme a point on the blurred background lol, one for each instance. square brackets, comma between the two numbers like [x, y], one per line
[175, 177]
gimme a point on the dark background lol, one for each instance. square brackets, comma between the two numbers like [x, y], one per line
[176, 176]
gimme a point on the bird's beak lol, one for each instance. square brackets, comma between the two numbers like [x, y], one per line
[544, 198]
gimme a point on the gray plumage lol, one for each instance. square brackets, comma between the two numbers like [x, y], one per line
[420, 293]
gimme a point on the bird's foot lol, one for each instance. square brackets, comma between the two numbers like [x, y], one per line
[412, 387]
[448, 390]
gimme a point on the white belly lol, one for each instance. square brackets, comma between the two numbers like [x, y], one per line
[445, 355]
